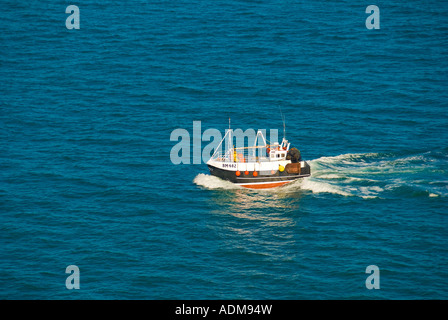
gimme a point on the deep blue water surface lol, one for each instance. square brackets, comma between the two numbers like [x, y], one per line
[86, 177]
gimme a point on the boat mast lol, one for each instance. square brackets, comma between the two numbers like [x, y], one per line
[284, 126]
[230, 143]
[227, 150]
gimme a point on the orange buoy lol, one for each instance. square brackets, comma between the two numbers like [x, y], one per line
[255, 173]
[272, 172]
[246, 172]
[238, 173]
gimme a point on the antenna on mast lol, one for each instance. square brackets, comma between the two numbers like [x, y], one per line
[283, 119]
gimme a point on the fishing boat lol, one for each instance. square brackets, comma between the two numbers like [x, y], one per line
[260, 166]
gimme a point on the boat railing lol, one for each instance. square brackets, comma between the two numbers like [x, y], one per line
[244, 154]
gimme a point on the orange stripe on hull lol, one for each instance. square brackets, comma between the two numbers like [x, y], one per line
[265, 185]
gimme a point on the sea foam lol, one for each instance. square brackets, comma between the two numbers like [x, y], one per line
[368, 175]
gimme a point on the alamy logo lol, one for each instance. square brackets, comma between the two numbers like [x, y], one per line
[191, 147]
[72, 281]
[72, 21]
[373, 281]
[373, 21]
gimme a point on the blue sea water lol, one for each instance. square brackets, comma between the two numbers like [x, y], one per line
[86, 177]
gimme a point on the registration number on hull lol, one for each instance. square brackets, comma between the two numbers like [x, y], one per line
[229, 165]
